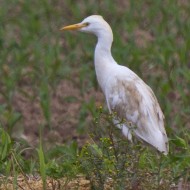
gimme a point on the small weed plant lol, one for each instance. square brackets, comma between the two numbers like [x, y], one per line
[112, 162]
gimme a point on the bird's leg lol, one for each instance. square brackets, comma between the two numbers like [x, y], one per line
[126, 130]
[113, 144]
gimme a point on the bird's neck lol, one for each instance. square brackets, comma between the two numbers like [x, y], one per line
[103, 45]
[103, 58]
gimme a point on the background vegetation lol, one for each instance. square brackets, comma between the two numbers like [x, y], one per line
[51, 120]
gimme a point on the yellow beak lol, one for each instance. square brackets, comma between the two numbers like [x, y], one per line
[74, 26]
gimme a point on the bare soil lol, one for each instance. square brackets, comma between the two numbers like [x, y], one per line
[32, 182]
[66, 101]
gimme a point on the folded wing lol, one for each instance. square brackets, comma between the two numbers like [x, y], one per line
[135, 102]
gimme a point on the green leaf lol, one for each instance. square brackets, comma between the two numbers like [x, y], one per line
[42, 165]
[5, 144]
[178, 141]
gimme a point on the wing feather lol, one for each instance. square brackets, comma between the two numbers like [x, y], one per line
[135, 102]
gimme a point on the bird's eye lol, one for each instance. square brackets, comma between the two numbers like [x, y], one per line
[87, 23]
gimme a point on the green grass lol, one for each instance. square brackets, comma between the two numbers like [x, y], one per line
[151, 38]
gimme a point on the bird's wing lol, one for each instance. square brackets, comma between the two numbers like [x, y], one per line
[134, 101]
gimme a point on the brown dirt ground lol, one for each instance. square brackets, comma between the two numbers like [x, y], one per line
[80, 183]
[36, 183]
[64, 118]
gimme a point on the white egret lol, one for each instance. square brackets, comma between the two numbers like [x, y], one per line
[126, 94]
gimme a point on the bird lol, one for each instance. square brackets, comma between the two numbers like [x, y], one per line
[127, 96]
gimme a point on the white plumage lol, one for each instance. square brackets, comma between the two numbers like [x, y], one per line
[126, 94]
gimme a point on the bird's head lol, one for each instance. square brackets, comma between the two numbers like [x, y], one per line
[94, 24]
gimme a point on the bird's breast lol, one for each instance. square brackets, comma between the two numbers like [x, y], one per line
[103, 73]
